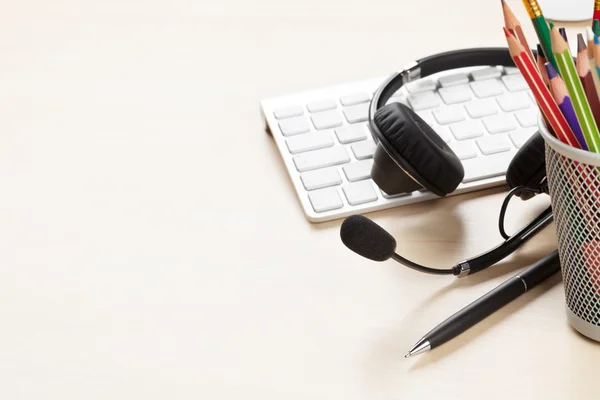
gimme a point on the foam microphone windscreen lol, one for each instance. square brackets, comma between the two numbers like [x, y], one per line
[366, 238]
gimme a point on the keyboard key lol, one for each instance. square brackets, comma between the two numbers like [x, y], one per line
[521, 136]
[464, 150]
[444, 133]
[446, 115]
[487, 88]
[514, 101]
[294, 126]
[427, 117]
[455, 94]
[360, 192]
[323, 105]
[325, 200]
[515, 83]
[528, 118]
[482, 108]
[358, 113]
[288, 112]
[486, 73]
[394, 196]
[493, 144]
[500, 123]
[363, 150]
[358, 171]
[321, 158]
[352, 133]
[423, 101]
[326, 120]
[467, 129]
[398, 99]
[422, 85]
[309, 141]
[353, 99]
[321, 179]
[453, 80]
[486, 167]
[511, 70]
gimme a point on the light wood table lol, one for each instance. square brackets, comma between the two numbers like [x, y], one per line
[151, 245]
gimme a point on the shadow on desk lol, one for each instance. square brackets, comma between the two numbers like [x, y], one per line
[389, 353]
[492, 321]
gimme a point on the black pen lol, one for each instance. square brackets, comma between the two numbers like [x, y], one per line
[488, 304]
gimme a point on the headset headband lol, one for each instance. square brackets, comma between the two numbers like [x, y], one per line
[421, 69]
[437, 63]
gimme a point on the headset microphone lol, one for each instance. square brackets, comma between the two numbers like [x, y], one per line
[367, 239]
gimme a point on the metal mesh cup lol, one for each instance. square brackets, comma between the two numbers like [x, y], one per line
[574, 182]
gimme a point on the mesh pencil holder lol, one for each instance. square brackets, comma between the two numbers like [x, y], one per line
[574, 182]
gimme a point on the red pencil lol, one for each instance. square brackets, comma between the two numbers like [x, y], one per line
[544, 99]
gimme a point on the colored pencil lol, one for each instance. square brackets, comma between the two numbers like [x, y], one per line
[596, 18]
[592, 58]
[542, 94]
[563, 33]
[596, 52]
[561, 95]
[541, 63]
[513, 25]
[541, 28]
[587, 80]
[568, 72]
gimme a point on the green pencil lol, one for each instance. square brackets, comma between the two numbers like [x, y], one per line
[580, 103]
[541, 28]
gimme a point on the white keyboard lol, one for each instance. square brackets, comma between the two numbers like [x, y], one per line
[484, 114]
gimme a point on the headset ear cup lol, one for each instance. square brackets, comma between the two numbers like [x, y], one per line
[528, 167]
[418, 150]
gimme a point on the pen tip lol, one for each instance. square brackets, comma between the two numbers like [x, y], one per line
[408, 354]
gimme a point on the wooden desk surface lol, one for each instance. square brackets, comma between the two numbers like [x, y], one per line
[137, 261]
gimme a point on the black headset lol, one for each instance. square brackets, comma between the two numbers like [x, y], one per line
[410, 155]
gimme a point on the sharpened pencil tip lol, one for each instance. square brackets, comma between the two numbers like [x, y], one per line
[563, 33]
[540, 51]
[581, 46]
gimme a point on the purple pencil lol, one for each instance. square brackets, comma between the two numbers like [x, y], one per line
[561, 95]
